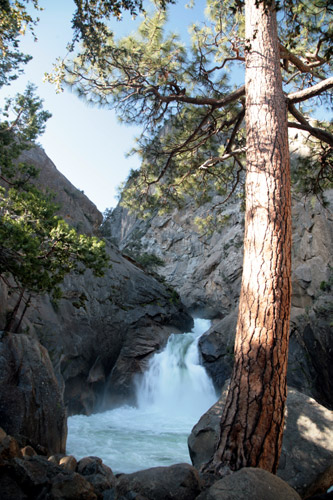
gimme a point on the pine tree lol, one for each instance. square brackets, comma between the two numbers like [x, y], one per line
[195, 139]
[37, 248]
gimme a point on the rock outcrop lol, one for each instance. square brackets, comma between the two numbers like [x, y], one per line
[100, 334]
[250, 484]
[31, 404]
[205, 269]
[307, 448]
[75, 207]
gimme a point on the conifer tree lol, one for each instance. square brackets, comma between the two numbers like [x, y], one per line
[195, 139]
[37, 248]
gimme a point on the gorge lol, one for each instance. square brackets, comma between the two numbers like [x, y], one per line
[96, 350]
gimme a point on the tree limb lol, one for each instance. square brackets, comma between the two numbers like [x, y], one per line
[316, 132]
[219, 159]
[303, 95]
[217, 103]
[303, 124]
[298, 63]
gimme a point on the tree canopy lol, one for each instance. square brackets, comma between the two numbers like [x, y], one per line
[191, 111]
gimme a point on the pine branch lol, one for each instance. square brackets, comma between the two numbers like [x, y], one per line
[216, 103]
[219, 159]
[316, 132]
[303, 95]
[299, 64]
[303, 124]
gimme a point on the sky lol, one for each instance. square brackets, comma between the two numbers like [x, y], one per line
[88, 145]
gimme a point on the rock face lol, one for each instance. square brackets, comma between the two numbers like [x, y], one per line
[100, 335]
[75, 207]
[206, 271]
[31, 403]
[307, 447]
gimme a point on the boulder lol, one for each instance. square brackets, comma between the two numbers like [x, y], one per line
[9, 447]
[36, 477]
[307, 447]
[99, 475]
[68, 462]
[31, 476]
[310, 358]
[250, 484]
[31, 403]
[180, 481]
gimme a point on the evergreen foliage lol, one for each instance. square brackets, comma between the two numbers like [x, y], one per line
[37, 248]
[194, 142]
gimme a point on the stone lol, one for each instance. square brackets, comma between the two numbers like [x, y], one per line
[307, 447]
[69, 463]
[39, 478]
[73, 487]
[10, 490]
[9, 447]
[204, 435]
[180, 481]
[28, 451]
[217, 349]
[250, 484]
[98, 474]
[321, 484]
[31, 403]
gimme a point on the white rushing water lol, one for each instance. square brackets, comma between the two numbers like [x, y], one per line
[172, 395]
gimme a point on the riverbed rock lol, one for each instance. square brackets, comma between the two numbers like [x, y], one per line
[9, 447]
[307, 447]
[31, 403]
[180, 481]
[36, 477]
[99, 475]
[250, 484]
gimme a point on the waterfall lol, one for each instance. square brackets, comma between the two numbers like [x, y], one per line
[175, 382]
[172, 395]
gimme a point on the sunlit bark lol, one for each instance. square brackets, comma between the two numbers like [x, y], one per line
[252, 423]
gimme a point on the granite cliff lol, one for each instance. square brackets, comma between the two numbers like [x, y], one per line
[205, 268]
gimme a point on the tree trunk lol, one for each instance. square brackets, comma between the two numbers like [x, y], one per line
[9, 327]
[253, 418]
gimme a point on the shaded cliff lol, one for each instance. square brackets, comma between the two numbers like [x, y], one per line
[100, 333]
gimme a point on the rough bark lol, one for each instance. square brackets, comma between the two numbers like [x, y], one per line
[252, 422]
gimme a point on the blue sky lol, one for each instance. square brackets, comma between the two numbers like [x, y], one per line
[88, 145]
